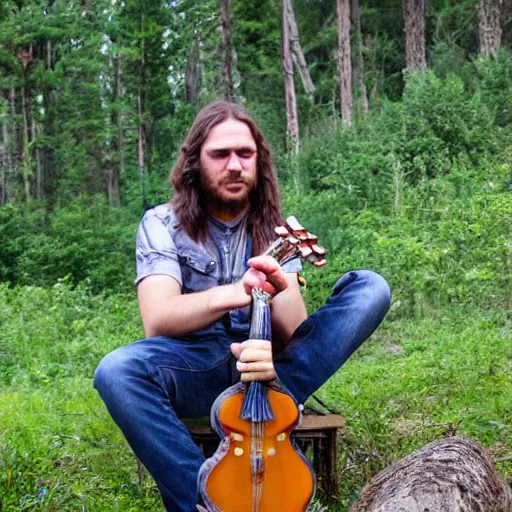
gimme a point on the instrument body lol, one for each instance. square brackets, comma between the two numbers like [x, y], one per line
[257, 467]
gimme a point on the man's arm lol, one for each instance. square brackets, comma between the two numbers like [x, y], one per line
[166, 311]
[288, 311]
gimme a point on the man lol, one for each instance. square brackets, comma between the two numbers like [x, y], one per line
[197, 262]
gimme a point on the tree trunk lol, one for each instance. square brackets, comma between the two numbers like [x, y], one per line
[4, 166]
[7, 167]
[358, 67]
[27, 161]
[141, 150]
[292, 124]
[39, 163]
[344, 61]
[448, 475]
[298, 56]
[116, 169]
[15, 138]
[414, 19]
[227, 49]
[193, 73]
[489, 27]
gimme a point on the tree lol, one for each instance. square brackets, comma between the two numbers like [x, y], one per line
[298, 56]
[227, 49]
[344, 61]
[489, 27]
[358, 65]
[450, 474]
[414, 20]
[292, 123]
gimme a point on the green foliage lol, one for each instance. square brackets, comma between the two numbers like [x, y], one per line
[439, 128]
[415, 381]
[443, 242]
[86, 241]
[418, 381]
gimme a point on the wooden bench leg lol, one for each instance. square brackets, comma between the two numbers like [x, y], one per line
[326, 464]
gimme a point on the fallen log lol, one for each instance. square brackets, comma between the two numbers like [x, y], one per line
[449, 475]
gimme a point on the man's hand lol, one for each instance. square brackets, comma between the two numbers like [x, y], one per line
[254, 360]
[264, 273]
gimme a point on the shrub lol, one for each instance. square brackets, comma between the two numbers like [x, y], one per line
[85, 241]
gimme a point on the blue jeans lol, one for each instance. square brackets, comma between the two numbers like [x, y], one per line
[148, 385]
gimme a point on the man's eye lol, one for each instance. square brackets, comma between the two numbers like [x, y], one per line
[245, 153]
[220, 154]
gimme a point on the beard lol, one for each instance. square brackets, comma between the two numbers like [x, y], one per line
[219, 203]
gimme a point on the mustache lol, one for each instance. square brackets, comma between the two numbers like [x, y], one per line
[237, 181]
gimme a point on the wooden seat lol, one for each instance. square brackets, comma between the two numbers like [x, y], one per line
[316, 437]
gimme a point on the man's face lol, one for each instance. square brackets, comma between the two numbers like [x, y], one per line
[229, 166]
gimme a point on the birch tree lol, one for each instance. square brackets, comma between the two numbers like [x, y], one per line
[227, 49]
[344, 61]
[297, 53]
[292, 123]
[358, 65]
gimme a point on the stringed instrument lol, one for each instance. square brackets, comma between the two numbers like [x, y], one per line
[257, 467]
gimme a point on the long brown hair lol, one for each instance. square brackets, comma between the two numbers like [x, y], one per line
[185, 177]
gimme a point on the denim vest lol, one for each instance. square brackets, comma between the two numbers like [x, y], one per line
[163, 247]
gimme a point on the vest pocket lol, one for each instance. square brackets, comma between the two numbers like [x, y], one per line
[198, 272]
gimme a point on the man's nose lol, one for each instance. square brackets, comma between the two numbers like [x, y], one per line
[234, 163]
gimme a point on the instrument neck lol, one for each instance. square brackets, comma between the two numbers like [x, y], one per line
[261, 325]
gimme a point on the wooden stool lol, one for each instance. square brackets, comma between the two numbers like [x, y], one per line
[316, 437]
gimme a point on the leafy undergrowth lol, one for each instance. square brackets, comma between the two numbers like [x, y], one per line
[420, 380]
[415, 381]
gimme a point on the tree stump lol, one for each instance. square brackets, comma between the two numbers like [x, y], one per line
[449, 475]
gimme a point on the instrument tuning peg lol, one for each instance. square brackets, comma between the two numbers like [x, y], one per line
[318, 250]
[281, 231]
[294, 224]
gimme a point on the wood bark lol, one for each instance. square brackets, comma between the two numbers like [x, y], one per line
[227, 49]
[34, 131]
[7, 165]
[193, 73]
[141, 148]
[414, 20]
[489, 27]
[27, 161]
[116, 169]
[344, 61]
[448, 475]
[297, 54]
[14, 129]
[4, 171]
[292, 124]
[358, 65]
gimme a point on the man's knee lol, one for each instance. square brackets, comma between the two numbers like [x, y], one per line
[378, 287]
[372, 288]
[114, 369]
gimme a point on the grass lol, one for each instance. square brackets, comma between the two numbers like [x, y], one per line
[416, 380]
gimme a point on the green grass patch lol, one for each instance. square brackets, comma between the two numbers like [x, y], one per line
[416, 380]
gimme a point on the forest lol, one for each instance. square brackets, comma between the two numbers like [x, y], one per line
[391, 127]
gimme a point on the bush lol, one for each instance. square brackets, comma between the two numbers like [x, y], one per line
[437, 249]
[439, 127]
[87, 241]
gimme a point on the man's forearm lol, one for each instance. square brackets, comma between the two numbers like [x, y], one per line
[178, 315]
[288, 312]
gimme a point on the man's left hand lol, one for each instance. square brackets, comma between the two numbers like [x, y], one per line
[276, 280]
[254, 360]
